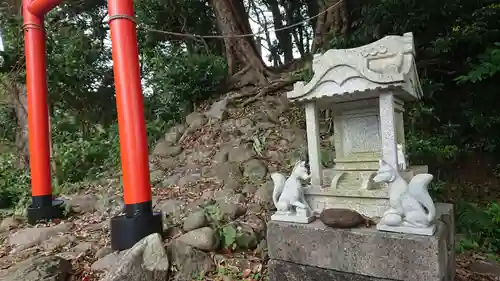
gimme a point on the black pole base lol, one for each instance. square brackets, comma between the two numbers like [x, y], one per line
[127, 230]
[45, 210]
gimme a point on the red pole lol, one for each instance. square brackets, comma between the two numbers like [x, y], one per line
[40, 7]
[139, 220]
[38, 117]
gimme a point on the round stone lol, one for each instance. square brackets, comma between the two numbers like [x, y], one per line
[341, 218]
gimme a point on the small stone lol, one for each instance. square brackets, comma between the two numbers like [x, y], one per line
[241, 154]
[194, 221]
[174, 134]
[77, 251]
[156, 176]
[188, 261]
[57, 242]
[168, 164]
[34, 236]
[264, 195]
[486, 267]
[231, 184]
[188, 180]
[172, 180]
[203, 238]
[254, 170]
[102, 252]
[249, 189]
[9, 223]
[228, 171]
[50, 268]
[164, 149]
[195, 120]
[341, 218]
[83, 203]
[221, 156]
[218, 110]
[171, 208]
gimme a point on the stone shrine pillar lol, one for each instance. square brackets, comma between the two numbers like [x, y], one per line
[388, 129]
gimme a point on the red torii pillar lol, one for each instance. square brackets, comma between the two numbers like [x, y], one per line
[139, 219]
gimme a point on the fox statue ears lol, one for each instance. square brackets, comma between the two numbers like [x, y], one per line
[382, 162]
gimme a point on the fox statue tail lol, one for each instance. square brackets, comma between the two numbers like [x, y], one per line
[279, 184]
[418, 189]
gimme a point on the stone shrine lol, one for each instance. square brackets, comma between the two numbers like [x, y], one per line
[366, 89]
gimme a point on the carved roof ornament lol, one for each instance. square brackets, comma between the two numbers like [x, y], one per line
[358, 73]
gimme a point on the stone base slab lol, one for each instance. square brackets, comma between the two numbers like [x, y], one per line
[428, 231]
[366, 251]
[286, 271]
[293, 218]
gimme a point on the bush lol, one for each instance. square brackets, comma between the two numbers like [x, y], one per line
[179, 80]
[14, 182]
[481, 226]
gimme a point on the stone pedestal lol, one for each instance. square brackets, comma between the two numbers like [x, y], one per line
[315, 252]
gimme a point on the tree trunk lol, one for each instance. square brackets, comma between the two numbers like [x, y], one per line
[20, 103]
[244, 62]
[334, 20]
[283, 36]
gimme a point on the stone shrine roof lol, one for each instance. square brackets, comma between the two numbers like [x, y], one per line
[360, 73]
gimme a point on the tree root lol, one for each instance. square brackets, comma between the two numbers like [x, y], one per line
[258, 93]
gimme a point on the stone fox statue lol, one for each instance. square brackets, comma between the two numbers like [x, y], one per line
[288, 194]
[407, 201]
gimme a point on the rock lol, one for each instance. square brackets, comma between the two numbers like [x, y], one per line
[168, 164]
[146, 261]
[9, 223]
[228, 171]
[341, 218]
[110, 205]
[221, 156]
[57, 242]
[172, 180]
[195, 120]
[156, 176]
[276, 156]
[486, 267]
[195, 220]
[218, 110]
[231, 184]
[249, 189]
[34, 236]
[107, 261]
[188, 261]
[254, 170]
[197, 156]
[257, 224]
[241, 154]
[77, 251]
[49, 268]
[83, 203]
[202, 238]
[188, 180]
[174, 134]
[231, 210]
[171, 208]
[261, 249]
[264, 195]
[165, 149]
[102, 252]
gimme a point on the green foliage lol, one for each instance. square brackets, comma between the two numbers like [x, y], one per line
[179, 79]
[481, 226]
[14, 182]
